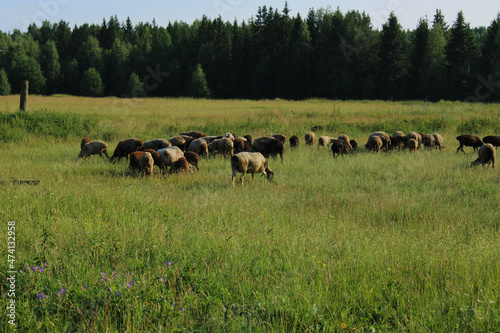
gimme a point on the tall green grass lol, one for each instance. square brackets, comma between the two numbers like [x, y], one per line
[371, 242]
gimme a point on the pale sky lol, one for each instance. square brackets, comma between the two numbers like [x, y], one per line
[19, 14]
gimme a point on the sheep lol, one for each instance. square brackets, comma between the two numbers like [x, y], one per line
[228, 135]
[193, 159]
[469, 141]
[310, 138]
[194, 134]
[494, 140]
[211, 138]
[337, 148]
[179, 166]
[199, 146]
[147, 164]
[347, 141]
[125, 147]
[354, 145]
[374, 143]
[155, 144]
[84, 141]
[268, 146]
[429, 141]
[240, 145]
[486, 154]
[169, 156]
[438, 139]
[224, 146]
[386, 139]
[294, 141]
[135, 159]
[178, 141]
[250, 162]
[324, 141]
[280, 137]
[412, 145]
[249, 139]
[94, 148]
[398, 140]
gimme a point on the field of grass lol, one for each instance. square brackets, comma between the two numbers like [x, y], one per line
[368, 243]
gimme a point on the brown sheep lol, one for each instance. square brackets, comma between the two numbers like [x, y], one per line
[155, 144]
[494, 140]
[375, 143]
[438, 139]
[125, 147]
[386, 139]
[398, 140]
[337, 148]
[193, 159]
[347, 141]
[181, 165]
[194, 134]
[199, 146]
[280, 137]
[354, 145]
[412, 145]
[249, 139]
[487, 154]
[310, 138]
[224, 146]
[294, 141]
[268, 146]
[135, 159]
[429, 141]
[84, 141]
[147, 164]
[94, 148]
[469, 141]
[178, 141]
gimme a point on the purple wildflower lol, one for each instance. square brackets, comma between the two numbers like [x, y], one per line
[62, 291]
[163, 280]
[115, 275]
[130, 284]
[45, 265]
[41, 296]
[168, 264]
[181, 309]
[118, 293]
[34, 269]
[40, 269]
[20, 271]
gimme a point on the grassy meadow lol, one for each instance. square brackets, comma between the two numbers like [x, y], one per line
[366, 243]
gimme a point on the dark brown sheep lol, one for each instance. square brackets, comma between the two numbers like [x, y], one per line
[241, 145]
[294, 141]
[155, 144]
[135, 160]
[84, 141]
[178, 141]
[337, 147]
[194, 134]
[93, 148]
[249, 139]
[494, 140]
[487, 154]
[126, 147]
[268, 146]
[181, 165]
[469, 141]
[192, 158]
[354, 145]
[280, 137]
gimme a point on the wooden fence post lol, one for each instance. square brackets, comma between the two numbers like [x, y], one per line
[24, 96]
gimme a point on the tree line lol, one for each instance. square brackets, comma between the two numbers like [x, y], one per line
[328, 54]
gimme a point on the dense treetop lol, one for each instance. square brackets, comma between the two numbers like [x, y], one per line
[328, 54]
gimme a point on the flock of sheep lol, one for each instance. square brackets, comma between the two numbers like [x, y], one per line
[182, 153]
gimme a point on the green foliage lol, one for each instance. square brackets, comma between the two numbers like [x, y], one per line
[27, 68]
[135, 86]
[91, 83]
[4, 83]
[199, 86]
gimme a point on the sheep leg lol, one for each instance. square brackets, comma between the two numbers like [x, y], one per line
[242, 176]
[105, 152]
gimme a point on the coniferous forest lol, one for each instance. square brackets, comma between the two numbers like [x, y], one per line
[327, 54]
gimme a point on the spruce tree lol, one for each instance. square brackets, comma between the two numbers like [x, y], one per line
[91, 83]
[4, 83]
[199, 85]
[417, 57]
[491, 59]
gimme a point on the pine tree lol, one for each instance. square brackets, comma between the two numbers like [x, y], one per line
[417, 57]
[4, 83]
[491, 59]
[199, 85]
[433, 85]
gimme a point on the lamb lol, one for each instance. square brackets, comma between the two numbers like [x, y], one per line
[268, 146]
[84, 141]
[224, 146]
[253, 163]
[324, 141]
[438, 139]
[310, 138]
[469, 141]
[181, 165]
[147, 164]
[429, 141]
[487, 154]
[494, 140]
[169, 156]
[294, 141]
[374, 143]
[94, 148]
[412, 145]
[199, 146]
[193, 159]
[155, 144]
[125, 147]
[194, 134]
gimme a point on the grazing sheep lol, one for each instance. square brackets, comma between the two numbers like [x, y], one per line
[429, 141]
[169, 156]
[240, 145]
[294, 141]
[211, 138]
[135, 159]
[412, 145]
[398, 140]
[181, 165]
[469, 141]
[193, 159]
[93, 148]
[249, 139]
[354, 145]
[199, 146]
[494, 140]
[147, 164]
[253, 163]
[317, 128]
[280, 137]
[487, 154]
[228, 135]
[155, 144]
[84, 141]
[386, 139]
[126, 147]
[337, 148]
[438, 139]
[178, 141]
[375, 143]
[324, 141]
[224, 147]
[310, 138]
[268, 146]
[194, 134]
[345, 138]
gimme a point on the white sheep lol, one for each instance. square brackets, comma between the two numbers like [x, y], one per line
[224, 146]
[429, 141]
[310, 138]
[228, 135]
[94, 148]
[324, 141]
[487, 154]
[169, 156]
[147, 163]
[253, 163]
[199, 146]
[438, 139]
